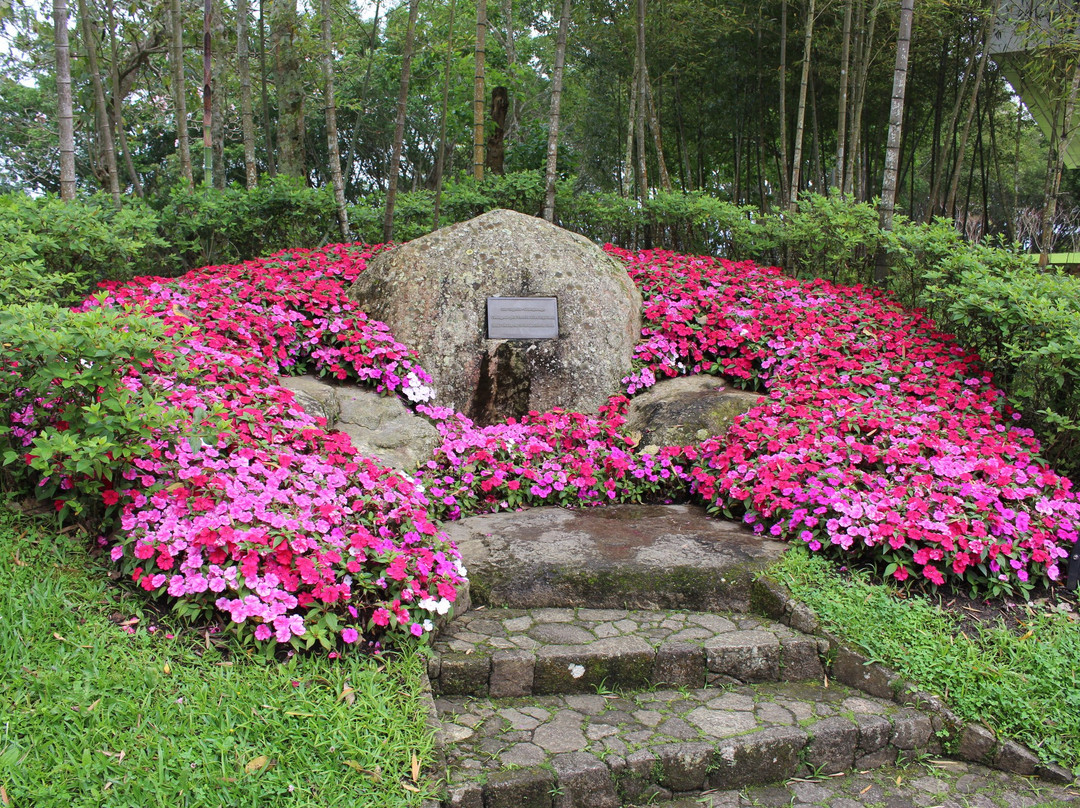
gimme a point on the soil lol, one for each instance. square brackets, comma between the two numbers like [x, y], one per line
[1013, 613]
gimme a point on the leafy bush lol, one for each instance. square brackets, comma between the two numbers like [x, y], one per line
[60, 250]
[78, 403]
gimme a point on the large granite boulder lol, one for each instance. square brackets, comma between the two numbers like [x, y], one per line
[433, 292]
[381, 427]
[685, 410]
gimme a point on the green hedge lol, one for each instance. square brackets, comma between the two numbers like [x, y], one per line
[1024, 322]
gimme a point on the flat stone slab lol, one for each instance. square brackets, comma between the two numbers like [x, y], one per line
[612, 750]
[619, 556]
[518, 652]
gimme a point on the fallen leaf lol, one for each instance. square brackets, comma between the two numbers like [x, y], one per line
[90, 709]
[898, 779]
[167, 669]
[18, 563]
[348, 695]
[1027, 635]
[866, 789]
[260, 762]
[375, 774]
[415, 768]
[300, 715]
[4, 799]
[120, 759]
[411, 788]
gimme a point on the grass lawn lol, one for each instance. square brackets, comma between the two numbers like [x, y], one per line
[1025, 685]
[91, 715]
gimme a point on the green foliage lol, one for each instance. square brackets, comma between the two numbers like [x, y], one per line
[207, 226]
[57, 251]
[77, 399]
[105, 705]
[1023, 686]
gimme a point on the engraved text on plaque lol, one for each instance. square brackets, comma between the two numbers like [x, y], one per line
[522, 318]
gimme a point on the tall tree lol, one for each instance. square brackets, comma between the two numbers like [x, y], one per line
[842, 103]
[896, 122]
[284, 33]
[218, 65]
[179, 91]
[631, 119]
[440, 160]
[64, 107]
[478, 89]
[101, 111]
[800, 115]
[247, 115]
[118, 106]
[399, 123]
[267, 124]
[782, 111]
[332, 148]
[496, 143]
[553, 117]
[640, 104]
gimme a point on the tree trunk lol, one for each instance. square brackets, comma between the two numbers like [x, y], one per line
[639, 122]
[284, 32]
[782, 111]
[101, 110]
[654, 125]
[511, 66]
[842, 104]
[496, 144]
[1059, 147]
[631, 119]
[332, 148]
[800, 115]
[855, 171]
[399, 123]
[478, 90]
[354, 140]
[685, 177]
[218, 85]
[267, 124]
[440, 160]
[954, 183]
[118, 107]
[896, 122]
[553, 119]
[950, 134]
[247, 114]
[64, 108]
[179, 82]
[208, 113]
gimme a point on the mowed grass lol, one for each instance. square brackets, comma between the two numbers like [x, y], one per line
[93, 716]
[1026, 686]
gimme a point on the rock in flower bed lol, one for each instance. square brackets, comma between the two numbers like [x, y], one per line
[878, 438]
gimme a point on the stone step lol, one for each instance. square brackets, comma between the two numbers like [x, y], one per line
[519, 652]
[606, 750]
[620, 557]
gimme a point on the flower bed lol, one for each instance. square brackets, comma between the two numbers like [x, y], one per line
[877, 438]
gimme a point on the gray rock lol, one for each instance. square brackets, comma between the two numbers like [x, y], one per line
[1015, 758]
[684, 766]
[613, 663]
[855, 670]
[832, 745]
[432, 293]
[799, 660]
[315, 396]
[911, 729]
[465, 795]
[384, 428]
[756, 759]
[874, 733]
[686, 410]
[976, 743]
[511, 673]
[464, 675]
[749, 656]
[679, 664]
[529, 788]
[564, 734]
[639, 556]
[584, 782]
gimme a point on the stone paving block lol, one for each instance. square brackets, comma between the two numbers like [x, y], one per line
[885, 756]
[511, 673]
[463, 675]
[527, 788]
[799, 660]
[684, 766]
[977, 743]
[911, 729]
[748, 656]
[832, 745]
[583, 781]
[615, 663]
[1014, 758]
[874, 733]
[636, 775]
[465, 795]
[855, 670]
[679, 664]
[762, 757]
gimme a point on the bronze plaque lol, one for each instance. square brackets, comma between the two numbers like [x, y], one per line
[523, 318]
